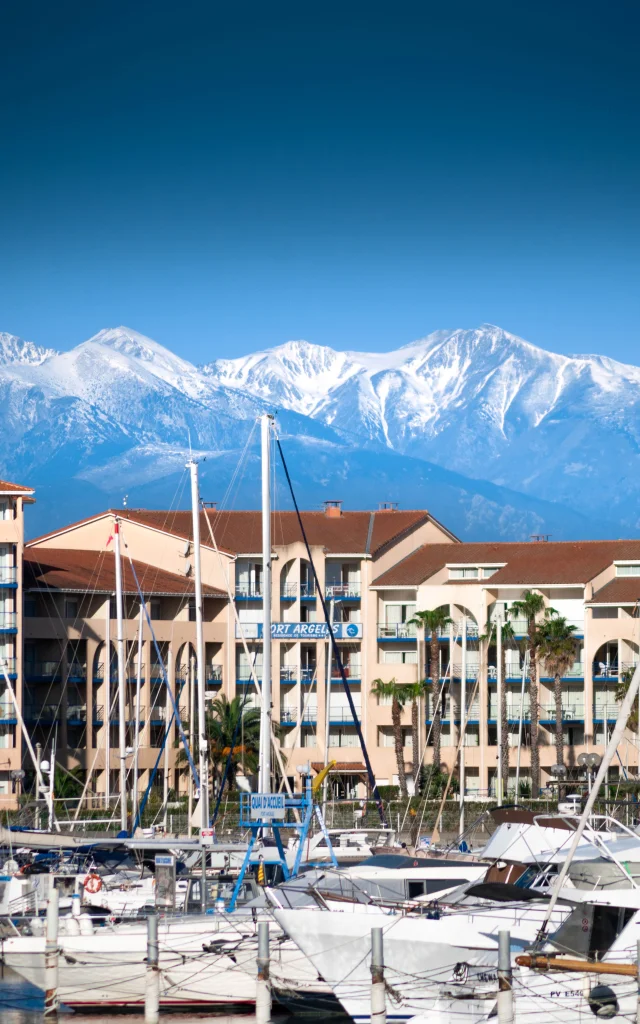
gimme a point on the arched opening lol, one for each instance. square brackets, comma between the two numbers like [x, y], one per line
[288, 581]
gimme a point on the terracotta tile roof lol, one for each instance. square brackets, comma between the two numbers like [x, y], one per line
[81, 571]
[625, 590]
[6, 487]
[241, 532]
[527, 563]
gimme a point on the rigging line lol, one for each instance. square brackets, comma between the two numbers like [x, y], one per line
[164, 673]
[334, 645]
[240, 466]
[305, 704]
[251, 661]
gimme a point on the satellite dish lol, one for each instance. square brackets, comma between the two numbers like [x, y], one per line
[187, 569]
[187, 548]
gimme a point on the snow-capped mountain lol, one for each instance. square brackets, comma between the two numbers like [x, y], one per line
[482, 402]
[497, 437]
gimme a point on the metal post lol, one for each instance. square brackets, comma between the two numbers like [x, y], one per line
[152, 986]
[122, 690]
[192, 725]
[52, 782]
[203, 886]
[500, 690]
[463, 718]
[264, 783]
[638, 981]
[107, 705]
[263, 986]
[202, 736]
[51, 958]
[505, 979]
[327, 723]
[525, 666]
[38, 776]
[378, 994]
[136, 741]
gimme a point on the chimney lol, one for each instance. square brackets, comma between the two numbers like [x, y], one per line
[333, 509]
[210, 504]
[540, 538]
[387, 506]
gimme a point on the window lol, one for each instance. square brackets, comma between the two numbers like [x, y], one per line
[400, 657]
[192, 609]
[464, 574]
[604, 613]
[113, 611]
[6, 509]
[71, 608]
[488, 571]
[30, 607]
[396, 613]
[155, 608]
[627, 570]
[385, 735]
[344, 738]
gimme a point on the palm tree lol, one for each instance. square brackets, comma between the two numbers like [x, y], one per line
[414, 692]
[431, 622]
[231, 728]
[621, 692]
[399, 696]
[557, 648]
[529, 607]
[508, 642]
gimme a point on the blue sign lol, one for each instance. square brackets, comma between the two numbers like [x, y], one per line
[301, 630]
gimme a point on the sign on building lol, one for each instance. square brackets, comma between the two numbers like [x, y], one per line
[301, 630]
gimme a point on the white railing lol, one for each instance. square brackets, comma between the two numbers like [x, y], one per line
[396, 631]
[343, 589]
[569, 711]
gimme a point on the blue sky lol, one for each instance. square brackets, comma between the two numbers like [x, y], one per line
[227, 177]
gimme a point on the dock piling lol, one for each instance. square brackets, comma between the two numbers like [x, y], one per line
[152, 987]
[51, 958]
[263, 989]
[505, 979]
[378, 992]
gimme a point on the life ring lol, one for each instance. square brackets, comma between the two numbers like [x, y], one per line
[92, 883]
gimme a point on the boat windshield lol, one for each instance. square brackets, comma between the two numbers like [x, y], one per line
[591, 929]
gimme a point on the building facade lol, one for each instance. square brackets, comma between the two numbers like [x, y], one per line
[13, 499]
[376, 569]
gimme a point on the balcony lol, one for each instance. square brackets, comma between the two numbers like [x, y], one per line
[343, 591]
[574, 672]
[611, 673]
[161, 714]
[8, 622]
[213, 675]
[97, 714]
[342, 716]
[10, 667]
[76, 673]
[570, 712]
[353, 672]
[42, 714]
[159, 672]
[288, 714]
[308, 590]
[310, 716]
[289, 674]
[289, 592]
[513, 710]
[473, 712]
[42, 671]
[130, 716]
[606, 712]
[8, 576]
[7, 713]
[248, 591]
[396, 631]
[76, 714]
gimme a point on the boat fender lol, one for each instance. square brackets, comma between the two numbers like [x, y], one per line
[602, 1002]
[92, 883]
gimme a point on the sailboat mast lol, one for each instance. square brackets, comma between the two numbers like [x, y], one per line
[122, 697]
[200, 666]
[264, 783]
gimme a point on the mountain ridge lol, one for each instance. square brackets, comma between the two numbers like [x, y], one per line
[558, 434]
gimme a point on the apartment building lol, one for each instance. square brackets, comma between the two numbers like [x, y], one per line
[70, 669]
[13, 498]
[595, 585]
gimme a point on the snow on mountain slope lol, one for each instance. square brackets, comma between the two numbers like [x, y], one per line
[481, 404]
[15, 350]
